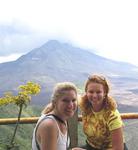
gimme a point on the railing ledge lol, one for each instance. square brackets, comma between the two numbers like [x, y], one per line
[31, 120]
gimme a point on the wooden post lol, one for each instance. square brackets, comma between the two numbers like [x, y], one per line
[73, 130]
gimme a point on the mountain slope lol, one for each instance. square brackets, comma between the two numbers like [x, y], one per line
[54, 62]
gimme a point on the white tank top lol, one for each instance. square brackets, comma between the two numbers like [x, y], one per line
[62, 140]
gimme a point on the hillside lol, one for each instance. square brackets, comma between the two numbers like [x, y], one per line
[55, 62]
[24, 132]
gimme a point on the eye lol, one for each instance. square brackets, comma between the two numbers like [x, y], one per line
[74, 100]
[69, 100]
[91, 92]
[65, 100]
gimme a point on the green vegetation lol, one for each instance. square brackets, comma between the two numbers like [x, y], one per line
[21, 99]
[24, 132]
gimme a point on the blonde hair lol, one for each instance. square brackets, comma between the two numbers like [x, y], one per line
[58, 91]
[109, 102]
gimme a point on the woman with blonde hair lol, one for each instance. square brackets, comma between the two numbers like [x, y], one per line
[102, 123]
[51, 131]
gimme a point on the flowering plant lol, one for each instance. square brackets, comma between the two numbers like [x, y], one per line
[21, 99]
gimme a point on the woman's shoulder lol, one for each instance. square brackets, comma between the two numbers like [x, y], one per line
[115, 112]
[47, 125]
[113, 115]
[47, 121]
[114, 120]
[109, 114]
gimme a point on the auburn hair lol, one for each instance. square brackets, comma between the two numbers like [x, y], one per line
[109, 102]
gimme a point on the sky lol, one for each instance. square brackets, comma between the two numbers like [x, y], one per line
[106, 27]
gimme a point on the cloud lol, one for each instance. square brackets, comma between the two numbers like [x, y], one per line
[17, 38]
[11, 57]
[108, 27]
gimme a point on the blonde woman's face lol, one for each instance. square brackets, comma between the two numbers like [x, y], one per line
[67, 104]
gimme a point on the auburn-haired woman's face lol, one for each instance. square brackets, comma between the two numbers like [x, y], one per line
[95, 93]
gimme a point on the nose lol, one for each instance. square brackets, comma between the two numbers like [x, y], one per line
[71, 104]
[94, 94]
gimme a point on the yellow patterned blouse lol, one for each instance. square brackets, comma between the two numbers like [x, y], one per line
[98, 126]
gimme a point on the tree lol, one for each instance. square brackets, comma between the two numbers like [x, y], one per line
[21, 99]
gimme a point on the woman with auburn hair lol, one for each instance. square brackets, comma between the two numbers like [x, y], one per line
[102, 123]
[51, 131]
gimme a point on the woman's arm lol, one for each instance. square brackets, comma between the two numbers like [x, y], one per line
[47, 135]
[117, 139]
[77, 148]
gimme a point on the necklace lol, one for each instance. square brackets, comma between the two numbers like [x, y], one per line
[58, 118]
[63, 122]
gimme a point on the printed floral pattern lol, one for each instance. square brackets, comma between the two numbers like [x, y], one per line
[98, 127]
